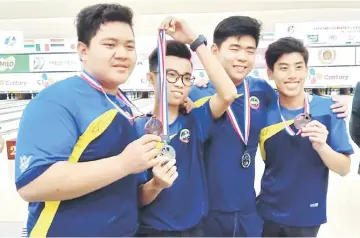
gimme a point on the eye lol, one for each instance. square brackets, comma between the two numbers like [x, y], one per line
[131, 47]
[283, 68]
[109, 45]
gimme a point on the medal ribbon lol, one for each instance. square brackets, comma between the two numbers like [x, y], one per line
[288, 128]
[119, 95]
[247, 116]
[163, 100]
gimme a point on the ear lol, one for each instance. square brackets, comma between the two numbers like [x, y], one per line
[82, 51]
[150, 78]
[214, 49]
[270, 74]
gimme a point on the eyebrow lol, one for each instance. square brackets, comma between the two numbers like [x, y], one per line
[239, 46]
[286, 64]
[116, 40]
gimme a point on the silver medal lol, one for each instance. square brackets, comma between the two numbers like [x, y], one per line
[153, 126]
[169, 152]
[246, 160]
[301, 120]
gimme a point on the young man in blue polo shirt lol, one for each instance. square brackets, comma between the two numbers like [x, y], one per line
[77, 159]
[301, 141]
[174, 196]
[231, 149]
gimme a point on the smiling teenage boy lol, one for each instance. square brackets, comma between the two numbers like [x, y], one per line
[231, 149]
[76, 160]
[174, 202]
[302, 140]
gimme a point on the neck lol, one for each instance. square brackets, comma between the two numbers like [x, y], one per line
[108, 87]
[173, 112]
[292, 103]
[237, 82]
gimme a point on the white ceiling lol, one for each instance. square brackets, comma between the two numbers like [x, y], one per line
[55, 18]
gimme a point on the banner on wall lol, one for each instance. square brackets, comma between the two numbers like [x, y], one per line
[30, 82]
[322, 76]
[14, 64]
[61, 45]
[332, 56]
[328, 33]
[55, 63]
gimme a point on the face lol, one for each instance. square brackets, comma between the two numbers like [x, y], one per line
[237, 56]
[110, 56]
[289, 74]
[177, 91]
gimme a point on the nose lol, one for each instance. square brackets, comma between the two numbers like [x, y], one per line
[241, 55]
[120, 53]
[179, 83]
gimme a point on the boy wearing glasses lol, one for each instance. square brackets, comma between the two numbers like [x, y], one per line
[174, 196]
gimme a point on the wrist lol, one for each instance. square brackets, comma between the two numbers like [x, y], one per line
[192, 38]
[154, 185]
[122, 165]
[322, 148]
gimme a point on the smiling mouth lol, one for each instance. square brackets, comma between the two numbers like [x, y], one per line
[238, 67]
[177, 93]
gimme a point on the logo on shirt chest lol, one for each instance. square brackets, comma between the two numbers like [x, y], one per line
[254, 102]
[184, 135]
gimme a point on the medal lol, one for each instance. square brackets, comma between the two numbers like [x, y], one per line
[300, 121]
[167, 150]
[246, 158]
[153, 126]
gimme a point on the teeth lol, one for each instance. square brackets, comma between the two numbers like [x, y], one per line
[177, 93]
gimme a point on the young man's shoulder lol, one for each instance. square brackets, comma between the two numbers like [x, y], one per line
[320, 105]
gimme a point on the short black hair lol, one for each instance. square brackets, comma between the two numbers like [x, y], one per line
[89, 19]
[173, 48]
[237, 26]
[285, 45]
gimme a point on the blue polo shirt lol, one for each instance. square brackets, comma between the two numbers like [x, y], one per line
[184, 204]
[231, 187]
[295, 182]
[71, 121]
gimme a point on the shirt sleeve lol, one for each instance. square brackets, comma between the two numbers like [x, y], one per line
[199, 95]
[272, 95]
[47, 134]
[354, 126]
[339, 137]
[204, 120]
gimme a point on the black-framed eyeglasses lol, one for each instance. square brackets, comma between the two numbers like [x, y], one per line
[172, 76]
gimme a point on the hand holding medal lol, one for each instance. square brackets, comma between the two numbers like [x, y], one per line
[316, 132]
[300, 120]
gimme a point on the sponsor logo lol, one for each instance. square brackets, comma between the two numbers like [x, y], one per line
[327, 56]
[7, 63]
[254, 102]
[185, 135]
[10, 41]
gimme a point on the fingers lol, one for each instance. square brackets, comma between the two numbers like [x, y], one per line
[169, 24]
[149, 138]
[317, 140]
[153, 162]
[152, 154]
[150, 146]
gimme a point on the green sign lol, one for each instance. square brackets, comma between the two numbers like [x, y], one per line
[14, 64]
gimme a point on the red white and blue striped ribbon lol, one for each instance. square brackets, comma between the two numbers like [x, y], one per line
[288, 129]
[163, 96]
[93, 83]
[247, 116]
